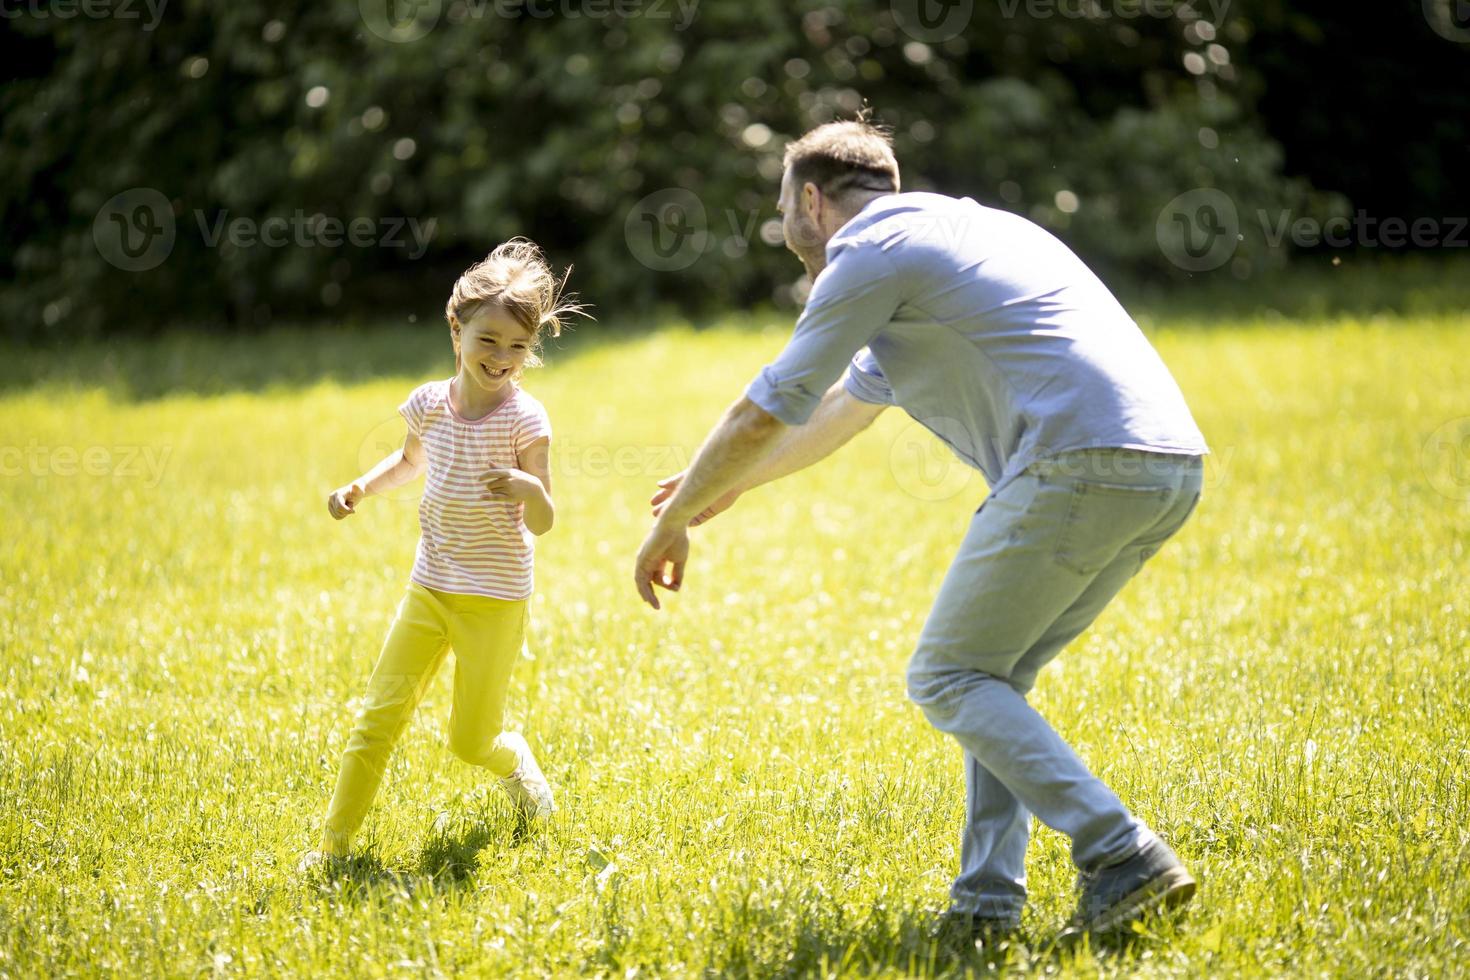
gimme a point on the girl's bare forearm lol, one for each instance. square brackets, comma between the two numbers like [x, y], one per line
[540, 513]
[391, 472]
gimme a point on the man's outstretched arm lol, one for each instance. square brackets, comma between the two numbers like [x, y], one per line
[742, 437]
[836, 420]
[737, 447]
[749, 447]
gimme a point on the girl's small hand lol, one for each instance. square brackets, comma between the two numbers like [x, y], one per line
[511, 484]
[343, 501]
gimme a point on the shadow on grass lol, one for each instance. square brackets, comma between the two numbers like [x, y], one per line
[1311, 289]
[451, 859]
[916, 943]
[183, 362]
[140, 368]
[447, 860]
[143, 368]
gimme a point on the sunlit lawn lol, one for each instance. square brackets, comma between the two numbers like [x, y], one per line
[744, 788]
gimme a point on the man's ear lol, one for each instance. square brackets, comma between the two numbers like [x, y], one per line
[811, 200]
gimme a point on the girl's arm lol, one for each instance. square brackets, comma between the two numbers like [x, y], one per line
[392, 471]
[531, 485]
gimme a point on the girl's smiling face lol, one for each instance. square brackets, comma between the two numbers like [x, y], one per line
[492, 347]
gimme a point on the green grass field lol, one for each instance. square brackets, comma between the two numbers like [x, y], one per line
[745, 790]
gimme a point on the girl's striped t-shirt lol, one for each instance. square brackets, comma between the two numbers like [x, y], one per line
[469, 544]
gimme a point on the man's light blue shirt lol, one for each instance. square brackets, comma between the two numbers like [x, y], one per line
[983, 327]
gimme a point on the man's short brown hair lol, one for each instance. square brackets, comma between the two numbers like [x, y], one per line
[840, 157]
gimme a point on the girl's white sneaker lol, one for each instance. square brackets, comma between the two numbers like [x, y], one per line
[319, 861]
[527, 786]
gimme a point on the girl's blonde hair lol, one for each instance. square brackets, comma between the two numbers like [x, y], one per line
[517, 277]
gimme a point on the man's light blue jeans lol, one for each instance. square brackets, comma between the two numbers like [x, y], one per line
[1041, 560]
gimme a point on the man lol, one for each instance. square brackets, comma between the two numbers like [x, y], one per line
[996, 337]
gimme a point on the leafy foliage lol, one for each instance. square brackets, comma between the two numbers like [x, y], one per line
[556, 119]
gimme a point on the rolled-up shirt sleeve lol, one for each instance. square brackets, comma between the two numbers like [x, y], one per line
[852, 299]
[865, 381]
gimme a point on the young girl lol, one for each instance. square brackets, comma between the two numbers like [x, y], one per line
[484, 445]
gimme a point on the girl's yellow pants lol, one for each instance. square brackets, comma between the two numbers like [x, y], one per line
[486, 635]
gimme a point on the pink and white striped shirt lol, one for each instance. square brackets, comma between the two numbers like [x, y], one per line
[469, 545]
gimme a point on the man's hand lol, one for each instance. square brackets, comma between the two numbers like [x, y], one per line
[668, 485]
[343, 500]
[742, 437]
[511, 484]
[661, 561]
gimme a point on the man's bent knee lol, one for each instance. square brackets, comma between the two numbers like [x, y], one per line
[938, 691]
